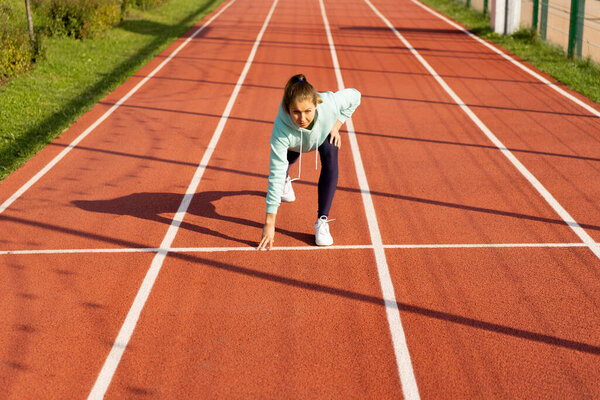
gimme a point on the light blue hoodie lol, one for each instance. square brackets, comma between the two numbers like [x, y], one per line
[286, 135]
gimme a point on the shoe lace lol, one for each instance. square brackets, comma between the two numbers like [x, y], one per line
[323, 222]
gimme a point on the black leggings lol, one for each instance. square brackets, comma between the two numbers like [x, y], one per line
[329, 174]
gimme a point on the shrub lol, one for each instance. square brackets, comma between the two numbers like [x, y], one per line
[16, 51]
[80, 18]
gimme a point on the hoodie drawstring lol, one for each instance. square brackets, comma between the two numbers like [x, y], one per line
[316, 153]
[300, 161]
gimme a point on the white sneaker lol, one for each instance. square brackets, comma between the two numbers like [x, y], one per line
[288, 193]
[322, 235]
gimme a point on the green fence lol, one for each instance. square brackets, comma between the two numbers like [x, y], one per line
[571, 24]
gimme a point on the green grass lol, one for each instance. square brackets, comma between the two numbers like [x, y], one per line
[583, 76]
[75, 74]
[14, 12]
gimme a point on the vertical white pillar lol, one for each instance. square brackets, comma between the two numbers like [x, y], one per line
[502, 22]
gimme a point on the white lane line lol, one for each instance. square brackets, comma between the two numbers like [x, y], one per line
[291, 248]
[570, 221]
[104, 116]
[404, 365]
[512, 60]
[114, 357]
[282, 248]
[79, 251]
[483, 245]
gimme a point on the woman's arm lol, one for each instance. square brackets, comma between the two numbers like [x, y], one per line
[268, 234]
[335, 134]
[277, 171]
[278, 165]
[347, 100]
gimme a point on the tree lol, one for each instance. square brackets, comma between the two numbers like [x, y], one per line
[30, 24]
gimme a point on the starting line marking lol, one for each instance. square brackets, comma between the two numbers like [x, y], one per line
[294, 248]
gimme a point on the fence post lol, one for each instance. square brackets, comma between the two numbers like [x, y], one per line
[576, 28]
[534, 19]
[544, 19]
[505, 17]
[485, 7]
[468, 3]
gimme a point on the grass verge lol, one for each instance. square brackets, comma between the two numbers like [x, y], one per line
[75, 74]
[579, 75]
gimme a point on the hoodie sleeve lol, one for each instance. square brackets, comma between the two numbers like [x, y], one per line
[277, 168]
[347, 100]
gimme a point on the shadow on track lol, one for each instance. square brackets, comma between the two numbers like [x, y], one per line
[403, 307]
[367, 28]
[377, 193]
[150, 206]
[481, 146]
[199, 262]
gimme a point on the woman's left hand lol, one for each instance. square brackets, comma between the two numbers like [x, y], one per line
[336, 139]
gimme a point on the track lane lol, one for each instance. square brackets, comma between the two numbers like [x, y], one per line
[151, 144]
[265, 324]
[501, 323]
[556, 139]
[272, 325]
[60, 314]
[113, 359]
[488, 314]
[427, 161]
[130, 150]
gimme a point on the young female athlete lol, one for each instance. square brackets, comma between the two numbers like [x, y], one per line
[306, 121]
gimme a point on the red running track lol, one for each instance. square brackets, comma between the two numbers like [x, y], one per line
[497, 296]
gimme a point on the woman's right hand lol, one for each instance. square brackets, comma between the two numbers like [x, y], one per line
[266, 243]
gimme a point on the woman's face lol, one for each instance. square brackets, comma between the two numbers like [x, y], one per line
[302, 112]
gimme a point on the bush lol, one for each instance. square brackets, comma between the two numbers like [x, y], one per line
[16, 51]
[80, 18]
[74, 18]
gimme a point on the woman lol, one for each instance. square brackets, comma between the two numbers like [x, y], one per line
[306, 121]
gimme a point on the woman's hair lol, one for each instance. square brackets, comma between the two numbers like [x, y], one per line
[298, 88]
